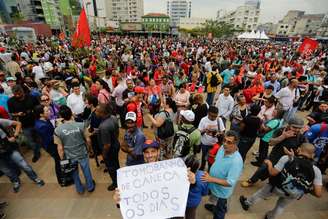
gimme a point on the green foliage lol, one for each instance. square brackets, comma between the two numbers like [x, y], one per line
[218, 29]
[17, 16]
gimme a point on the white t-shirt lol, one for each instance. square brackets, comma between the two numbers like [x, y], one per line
[215, 126]
[118, 94]
[38, 71]
[76, 103]
[225, 105]
[286, 97]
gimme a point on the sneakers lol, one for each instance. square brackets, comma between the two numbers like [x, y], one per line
[247, 184]
[209, 207]
[244, 205]
[3, 205]
[94, 187]
[36, 157]
[112, 187]
[16, 187]
[39, 182]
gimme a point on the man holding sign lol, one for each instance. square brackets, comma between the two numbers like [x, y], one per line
[154, 189]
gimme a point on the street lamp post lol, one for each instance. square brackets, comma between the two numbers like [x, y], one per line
[87, 8]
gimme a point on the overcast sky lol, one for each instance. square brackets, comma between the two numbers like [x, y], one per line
[271, 10]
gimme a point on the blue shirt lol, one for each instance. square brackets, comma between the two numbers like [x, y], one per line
[227, 74]
[226, 167]
[197, 190]
[135, 141]
[276, 85]
[318, 136]
[3, 101]
[45, 130]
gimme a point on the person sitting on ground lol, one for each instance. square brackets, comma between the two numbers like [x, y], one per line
[283, 181]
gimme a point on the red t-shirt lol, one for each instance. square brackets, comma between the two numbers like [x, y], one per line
[3, 113]
[136, 107]
[212, 153]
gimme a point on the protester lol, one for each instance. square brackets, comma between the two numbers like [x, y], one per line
[289, 137]
[21, 107]
[108, 133]
[71, 144]
[224, 174]
[134, 139]
[11, 158]
[225, 104]
[210, 127]
[291, 178]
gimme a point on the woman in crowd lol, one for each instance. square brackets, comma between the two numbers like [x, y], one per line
[239, 112]
[182, 98]
[167, 113]
[103, 91]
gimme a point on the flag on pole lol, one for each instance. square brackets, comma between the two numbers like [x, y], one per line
[308, 46]
[82, 36]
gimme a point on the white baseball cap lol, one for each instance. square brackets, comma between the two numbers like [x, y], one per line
[188, 115]
[131, 116]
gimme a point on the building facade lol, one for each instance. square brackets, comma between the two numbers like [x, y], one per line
[245, 17]
[177, 9]
[309, 24]
[125, 10]
[191, 23]
[103, 13]
[286, 26]
[297, 23]
[35, 10]
[156, 22]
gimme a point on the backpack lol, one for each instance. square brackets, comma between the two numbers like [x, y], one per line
[181, 142]
[214, 82]
[167, 128]
[296, 178]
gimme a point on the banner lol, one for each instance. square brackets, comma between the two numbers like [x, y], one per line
[308, 46]
[155, 190]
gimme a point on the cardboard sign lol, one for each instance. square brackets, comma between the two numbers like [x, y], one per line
[155, 190]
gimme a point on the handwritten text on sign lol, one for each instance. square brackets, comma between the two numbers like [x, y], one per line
[155, 190]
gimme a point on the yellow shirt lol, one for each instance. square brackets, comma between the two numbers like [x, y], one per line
[211, 89]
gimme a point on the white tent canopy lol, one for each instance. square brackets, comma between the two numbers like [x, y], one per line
[253, 35]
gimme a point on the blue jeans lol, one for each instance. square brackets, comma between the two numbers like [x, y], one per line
[220, 209]
[210, 97]
[245, 143]
[30, 135]
[15, 158]
[84, 165]
[205, 150]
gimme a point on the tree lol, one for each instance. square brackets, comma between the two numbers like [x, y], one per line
[218, 29]
[17, 16]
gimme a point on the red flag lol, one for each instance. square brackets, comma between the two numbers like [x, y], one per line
[81, 36]
[308, 46]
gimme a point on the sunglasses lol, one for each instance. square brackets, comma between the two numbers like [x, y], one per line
[44, 100]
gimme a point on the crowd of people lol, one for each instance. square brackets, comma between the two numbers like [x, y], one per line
[206, 101]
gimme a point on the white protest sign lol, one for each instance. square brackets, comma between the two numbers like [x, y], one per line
[154, 190]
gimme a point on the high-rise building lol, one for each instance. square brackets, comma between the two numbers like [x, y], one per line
[33, 10]
[245, 17]
[177, 9]
[102, 13]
